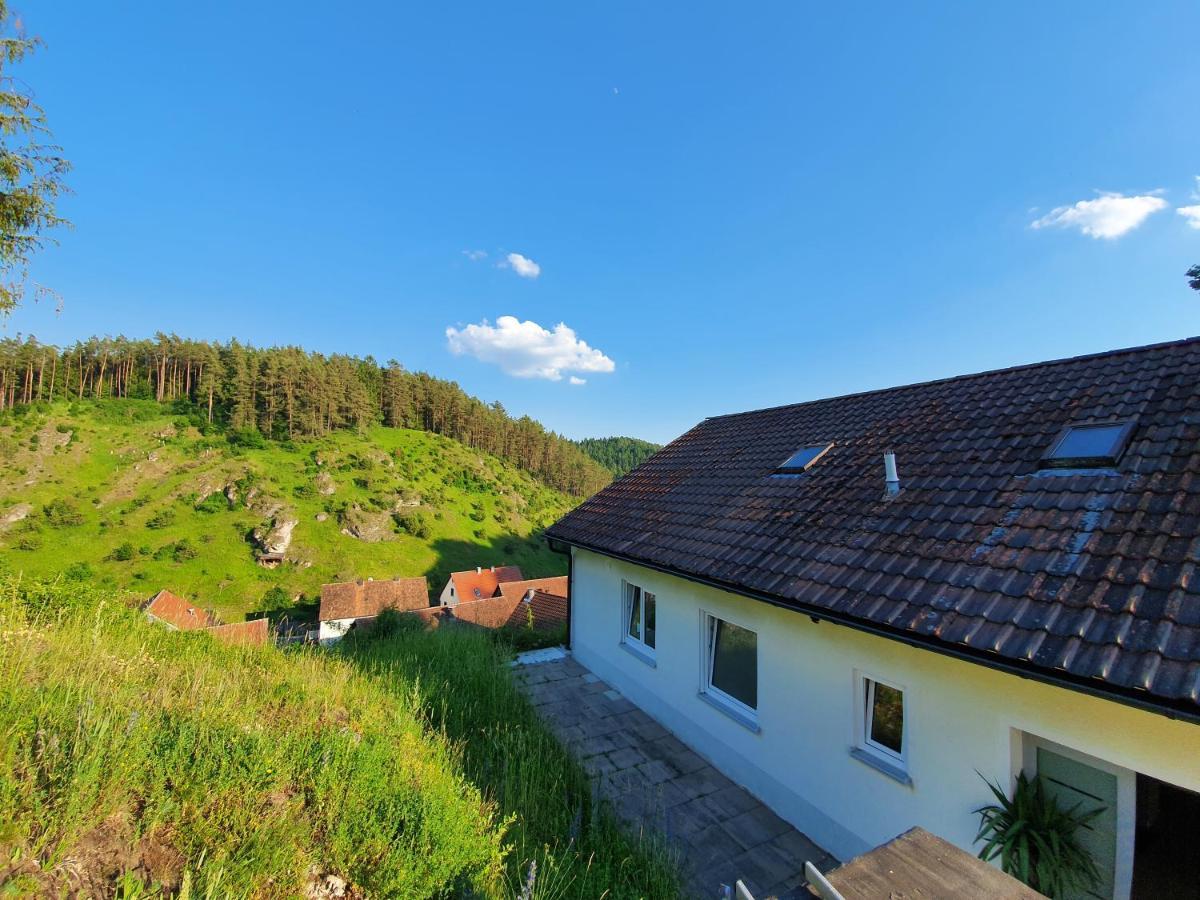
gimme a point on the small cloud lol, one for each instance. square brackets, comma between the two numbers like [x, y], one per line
[527, 350]
[1108, 216]
[574, 379]
[1192, 213]
[475, 255]
[522, 265]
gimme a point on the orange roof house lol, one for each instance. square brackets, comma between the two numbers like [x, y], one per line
[523, 590]
[175, 612]
[477, 584]
[347, 602]
[243, 634]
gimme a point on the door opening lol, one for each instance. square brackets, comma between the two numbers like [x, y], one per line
[1165, 860]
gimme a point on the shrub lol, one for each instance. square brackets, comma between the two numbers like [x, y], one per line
[214, 503]
[414, 522]
[1037, 840]
[183, 551]
[62, 513]
[122, 553]
[161, 519]
[248, 438]
[78, 571]
[275, 598]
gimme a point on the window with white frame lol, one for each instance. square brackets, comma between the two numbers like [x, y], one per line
[639, 619]
[881, 723]
[731, 666]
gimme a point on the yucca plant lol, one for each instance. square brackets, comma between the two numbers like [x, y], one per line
[1037, 840]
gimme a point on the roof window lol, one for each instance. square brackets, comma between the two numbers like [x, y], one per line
[803, 459]
[1088, 445]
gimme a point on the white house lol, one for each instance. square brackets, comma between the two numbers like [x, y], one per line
[345, 604]
[861, 644]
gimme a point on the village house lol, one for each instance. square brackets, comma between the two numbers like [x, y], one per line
[175, 612]
[860, 608]
[477, 584]
[254, 633]
[345, 604]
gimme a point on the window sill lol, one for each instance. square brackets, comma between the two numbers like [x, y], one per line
[747, 721]
[892, 770]
[638, 653]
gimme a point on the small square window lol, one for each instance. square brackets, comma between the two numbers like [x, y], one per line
[803, 459]
[1088, 445]
[639, 618]
[731, 666]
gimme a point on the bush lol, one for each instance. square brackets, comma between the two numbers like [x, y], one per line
[122, 553]
[183, 551]
[214, 503]
[414, 522]
[248, 438]
[161, 519]
[275, 598]
[79, 571]
[62, 513]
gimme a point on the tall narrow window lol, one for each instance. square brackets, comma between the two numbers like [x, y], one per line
[639, 618]
[882, 734]
[731, 668]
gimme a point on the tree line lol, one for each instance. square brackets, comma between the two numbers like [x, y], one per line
[287, 392]
[619, 454]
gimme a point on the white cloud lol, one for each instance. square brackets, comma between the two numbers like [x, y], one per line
[522, 265]
[527, 350]
[1192, 213]
[1108, 216]
[576, 380]
[475, 255]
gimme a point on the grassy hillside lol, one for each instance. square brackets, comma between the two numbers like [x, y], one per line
[123, 494]
[138, 762]
[618, 454]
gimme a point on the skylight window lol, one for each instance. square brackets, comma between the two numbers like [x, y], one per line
[1088, 445]
[802, 459]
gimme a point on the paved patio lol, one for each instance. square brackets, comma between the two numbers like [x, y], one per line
[653, 780]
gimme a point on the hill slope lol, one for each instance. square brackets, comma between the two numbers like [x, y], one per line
[123, 494]
[618, 454]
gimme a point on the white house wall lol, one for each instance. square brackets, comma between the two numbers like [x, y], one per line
[334, 629]
[960, 718]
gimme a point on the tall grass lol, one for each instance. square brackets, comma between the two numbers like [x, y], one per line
[564, 846]
[124, 746]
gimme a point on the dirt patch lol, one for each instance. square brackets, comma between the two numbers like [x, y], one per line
[101, 856]
[322, 885]
[16, 514]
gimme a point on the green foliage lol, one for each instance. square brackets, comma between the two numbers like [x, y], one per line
[78, 571]
[32, 170]
[1193, 276]
[247, 437]
[1036, 840]
[62, 513]
[247, 766]
[619, 454]
[467, 693]
[275, 598]
[213, 503]
[122, 552]
[161, 519]
[414, 522]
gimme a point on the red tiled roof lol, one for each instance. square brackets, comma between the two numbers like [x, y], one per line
[484, 583]
[255, 632]
[361, 599]
[549, 612]
[1085, 576]
[177, 612]
[556, 585]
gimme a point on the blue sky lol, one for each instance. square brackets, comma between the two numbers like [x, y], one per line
[731, 205]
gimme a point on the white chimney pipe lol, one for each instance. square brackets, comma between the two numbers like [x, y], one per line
[478, 570]
[890, 475]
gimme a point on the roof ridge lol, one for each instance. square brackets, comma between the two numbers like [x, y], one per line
[1161, 345]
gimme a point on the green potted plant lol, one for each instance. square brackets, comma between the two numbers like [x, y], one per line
[1037, 840]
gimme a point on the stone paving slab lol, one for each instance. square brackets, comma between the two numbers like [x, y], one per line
[653, 780]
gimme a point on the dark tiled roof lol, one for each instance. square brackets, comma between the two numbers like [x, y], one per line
[555, 585]
[361, 599]
[1091, 576]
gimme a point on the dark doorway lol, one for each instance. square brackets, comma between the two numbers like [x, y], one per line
[1166, 850]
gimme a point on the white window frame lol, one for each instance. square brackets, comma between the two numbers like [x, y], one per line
[883, 758]
[726, 703]
[637, 645]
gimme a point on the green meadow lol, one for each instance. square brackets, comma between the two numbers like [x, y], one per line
[126, 495]
[138, 762]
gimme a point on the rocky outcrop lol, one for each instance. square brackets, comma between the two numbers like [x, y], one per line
[274, 540]
[371, 527]
[325, 484]
[16, 514]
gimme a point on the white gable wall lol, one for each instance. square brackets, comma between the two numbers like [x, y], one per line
[959, 717]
